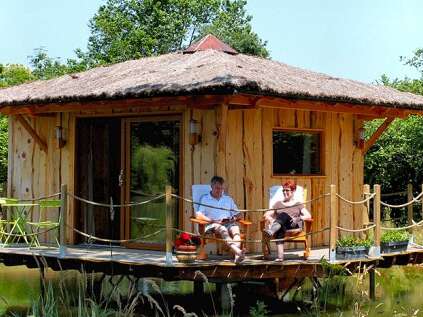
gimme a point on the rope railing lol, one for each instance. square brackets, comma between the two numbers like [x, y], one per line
[415, 224]
[115, 205]
[414, 200]
[248, 210]
[360, 202]
[356, 230]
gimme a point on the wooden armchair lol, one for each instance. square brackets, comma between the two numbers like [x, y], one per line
[197, 192]
[293, 235]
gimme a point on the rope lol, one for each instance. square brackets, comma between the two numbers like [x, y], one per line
[414, 200]
[41, 197]
[28, 234]
[115, 205]
[356, 202]
[418, 224]
[247, 210]
[91, 237]
[355, 230]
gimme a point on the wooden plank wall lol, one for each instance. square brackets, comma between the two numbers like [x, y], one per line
[34, 173]
[247, 160]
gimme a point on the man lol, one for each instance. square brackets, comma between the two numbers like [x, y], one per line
[222, 221]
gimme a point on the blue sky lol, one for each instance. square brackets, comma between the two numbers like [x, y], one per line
[358, 39]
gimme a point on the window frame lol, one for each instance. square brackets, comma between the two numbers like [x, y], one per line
[320, 132]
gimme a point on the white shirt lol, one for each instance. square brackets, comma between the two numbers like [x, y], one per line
[218, 214]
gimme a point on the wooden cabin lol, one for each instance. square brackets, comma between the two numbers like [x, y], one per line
[120, 133]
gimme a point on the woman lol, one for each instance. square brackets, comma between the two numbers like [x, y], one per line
[288, 213]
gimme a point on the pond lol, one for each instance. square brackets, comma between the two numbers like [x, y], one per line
[398, 294]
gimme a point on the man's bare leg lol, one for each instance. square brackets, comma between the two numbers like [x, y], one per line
[223, 232]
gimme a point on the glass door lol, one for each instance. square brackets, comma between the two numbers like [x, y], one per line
[152, 161]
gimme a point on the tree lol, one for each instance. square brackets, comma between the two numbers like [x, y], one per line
[396, 158]
[14, 74]
[129, 29]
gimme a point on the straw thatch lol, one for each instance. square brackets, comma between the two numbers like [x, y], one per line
[204, 72]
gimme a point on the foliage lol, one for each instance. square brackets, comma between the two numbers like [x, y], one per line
[351, 241]
[14, 74]
[152, 167]
[395, 236]
[239, 35]
[259, 310]
[126, 29]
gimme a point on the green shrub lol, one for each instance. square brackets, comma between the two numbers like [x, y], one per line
[351, 241]
[395, 236]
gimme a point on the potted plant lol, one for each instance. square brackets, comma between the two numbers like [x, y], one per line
[186, 247]
[394, 241]
[350, 247]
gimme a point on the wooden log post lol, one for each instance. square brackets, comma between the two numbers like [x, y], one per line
[169, 235]
[365, 210]
[333, 223]
[376, 219]
[63, 218]
[372, 284]
[410, 207]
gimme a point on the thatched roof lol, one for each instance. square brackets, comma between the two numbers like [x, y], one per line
[204, 72]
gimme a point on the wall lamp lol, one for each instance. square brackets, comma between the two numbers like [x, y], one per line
[60, 137]
[194, 132]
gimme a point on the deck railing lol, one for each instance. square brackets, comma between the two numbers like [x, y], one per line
[334, 228]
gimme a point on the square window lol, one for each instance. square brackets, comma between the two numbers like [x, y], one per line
[296, 152]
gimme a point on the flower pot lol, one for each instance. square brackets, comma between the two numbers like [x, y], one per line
[346, 253]
[393, 247]
[186, 253]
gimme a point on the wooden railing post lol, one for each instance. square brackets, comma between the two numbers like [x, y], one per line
[63, 218]
[365, 210]
[169, 235]
[376, 219]
[333, 223]
[410, 207]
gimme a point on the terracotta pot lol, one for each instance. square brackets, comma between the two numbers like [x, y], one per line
[186, 253]
[192, 248]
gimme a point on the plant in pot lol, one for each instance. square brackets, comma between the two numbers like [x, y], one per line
[350, 247]
[186, 247]
[394, 241]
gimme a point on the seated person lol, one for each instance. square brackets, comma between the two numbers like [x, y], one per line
[222, 222]
[289, 214]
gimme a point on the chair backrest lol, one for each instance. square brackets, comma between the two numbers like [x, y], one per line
[276, 194]
[198, 191]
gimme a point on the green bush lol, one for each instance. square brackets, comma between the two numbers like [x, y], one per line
[395, 236]
[351, 241]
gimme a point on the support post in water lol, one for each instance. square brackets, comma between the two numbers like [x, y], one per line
[168, 193]
[333, 223]
[372, 284]
[63, 216]
[376, 219]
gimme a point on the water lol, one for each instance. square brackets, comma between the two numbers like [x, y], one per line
[398, 292]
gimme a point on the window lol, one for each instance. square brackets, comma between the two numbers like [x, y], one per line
[296, 152]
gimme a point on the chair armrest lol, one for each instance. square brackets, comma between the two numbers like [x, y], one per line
[245, 222]
[199, 221]
[310, 220]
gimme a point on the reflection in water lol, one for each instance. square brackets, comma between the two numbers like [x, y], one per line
[398, 293]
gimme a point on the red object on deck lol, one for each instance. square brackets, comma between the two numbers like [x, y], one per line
[210, 42]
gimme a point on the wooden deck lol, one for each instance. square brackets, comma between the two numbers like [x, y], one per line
[144, 263]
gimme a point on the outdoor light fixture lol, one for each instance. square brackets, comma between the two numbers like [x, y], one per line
[194, 132]
[60, 137]
[360, 138]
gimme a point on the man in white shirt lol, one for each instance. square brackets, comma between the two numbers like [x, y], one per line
[222, 221]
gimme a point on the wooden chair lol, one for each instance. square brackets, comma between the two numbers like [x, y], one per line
[294, 235]
[198, 191]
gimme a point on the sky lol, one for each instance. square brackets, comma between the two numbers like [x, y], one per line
[360, 39]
